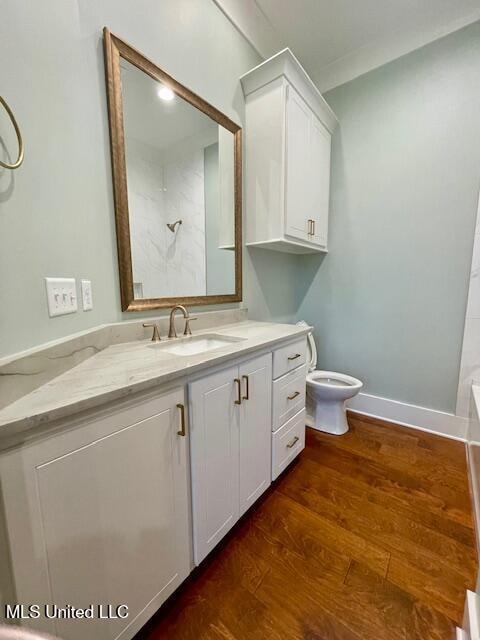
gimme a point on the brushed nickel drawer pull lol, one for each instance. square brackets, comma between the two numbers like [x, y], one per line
[247, 388]
[293, 442]
[183, 423]
[297, 355]
[313, 227]
[293, 396]
[239, 391]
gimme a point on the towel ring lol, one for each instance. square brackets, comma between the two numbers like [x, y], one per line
[19, 160]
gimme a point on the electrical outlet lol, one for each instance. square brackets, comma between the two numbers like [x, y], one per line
[87, 298]
[61, 296]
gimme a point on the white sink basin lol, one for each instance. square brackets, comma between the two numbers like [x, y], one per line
[194, 345]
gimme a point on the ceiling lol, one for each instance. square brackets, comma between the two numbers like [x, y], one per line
[337, 40]
[159, 124]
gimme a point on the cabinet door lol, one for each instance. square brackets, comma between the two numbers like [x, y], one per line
[255, 429]
[319, 172]
[107, 505]
[214, 458]
[298, 200]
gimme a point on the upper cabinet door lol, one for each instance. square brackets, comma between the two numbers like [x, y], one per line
[298, 196]
[255, 429]
[319, 171]
[307, 185]
[214, 458]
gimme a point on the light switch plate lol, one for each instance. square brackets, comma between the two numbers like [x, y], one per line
[87, 298]
[61, 296]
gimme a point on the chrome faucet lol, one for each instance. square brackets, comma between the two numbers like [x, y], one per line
[172, 332]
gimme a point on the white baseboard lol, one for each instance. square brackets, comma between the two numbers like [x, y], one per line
[410, 415]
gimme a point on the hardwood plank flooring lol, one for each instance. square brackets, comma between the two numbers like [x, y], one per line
[366, 536]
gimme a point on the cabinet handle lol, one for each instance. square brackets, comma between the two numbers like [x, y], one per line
[293, 396]
[239, 391]
[313, 227]
[183, 424]
[293, 442]
[297, 355]
[247, 388]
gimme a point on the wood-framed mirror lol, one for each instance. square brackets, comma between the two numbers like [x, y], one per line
[177, 179]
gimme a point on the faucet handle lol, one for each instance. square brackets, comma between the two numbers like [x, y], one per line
[188, 331]
[156, 333]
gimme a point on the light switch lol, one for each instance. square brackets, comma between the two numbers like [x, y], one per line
[87, 298]
[61, 296]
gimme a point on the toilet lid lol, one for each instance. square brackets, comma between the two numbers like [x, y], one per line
[311, 347]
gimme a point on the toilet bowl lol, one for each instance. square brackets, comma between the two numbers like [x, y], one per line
[327, 392]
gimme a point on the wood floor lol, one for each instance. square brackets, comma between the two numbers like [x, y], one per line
[367, 536]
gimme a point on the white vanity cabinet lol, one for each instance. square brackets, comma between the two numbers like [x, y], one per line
[99, 514]
[288, 144]
[115, 505]
[230, 430]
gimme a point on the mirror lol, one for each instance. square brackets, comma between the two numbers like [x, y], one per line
[177, 184]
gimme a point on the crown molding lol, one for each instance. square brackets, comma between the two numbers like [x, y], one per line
[253, 24]
[380, 52]
[247, 17]
[285, 65]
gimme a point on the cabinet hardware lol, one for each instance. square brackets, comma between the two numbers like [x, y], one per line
[294, 395]
[239, 391]
[293, 442]
[183, 425]
[247, 388]
[297, 355]
[313, 227]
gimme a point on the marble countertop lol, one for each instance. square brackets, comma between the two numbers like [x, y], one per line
[122, 369]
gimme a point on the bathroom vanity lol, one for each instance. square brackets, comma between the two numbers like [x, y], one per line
[123, 473]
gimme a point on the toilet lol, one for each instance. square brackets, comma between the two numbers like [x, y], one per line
[327, 392]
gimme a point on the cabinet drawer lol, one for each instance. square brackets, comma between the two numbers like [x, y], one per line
[290, 357]
[287, 443]
[288, 396]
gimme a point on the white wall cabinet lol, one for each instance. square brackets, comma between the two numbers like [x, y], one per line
[100, 514]
[230, 431]
[288, 144]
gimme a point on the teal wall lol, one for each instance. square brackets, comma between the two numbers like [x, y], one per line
[388, 301]
[56, 211]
